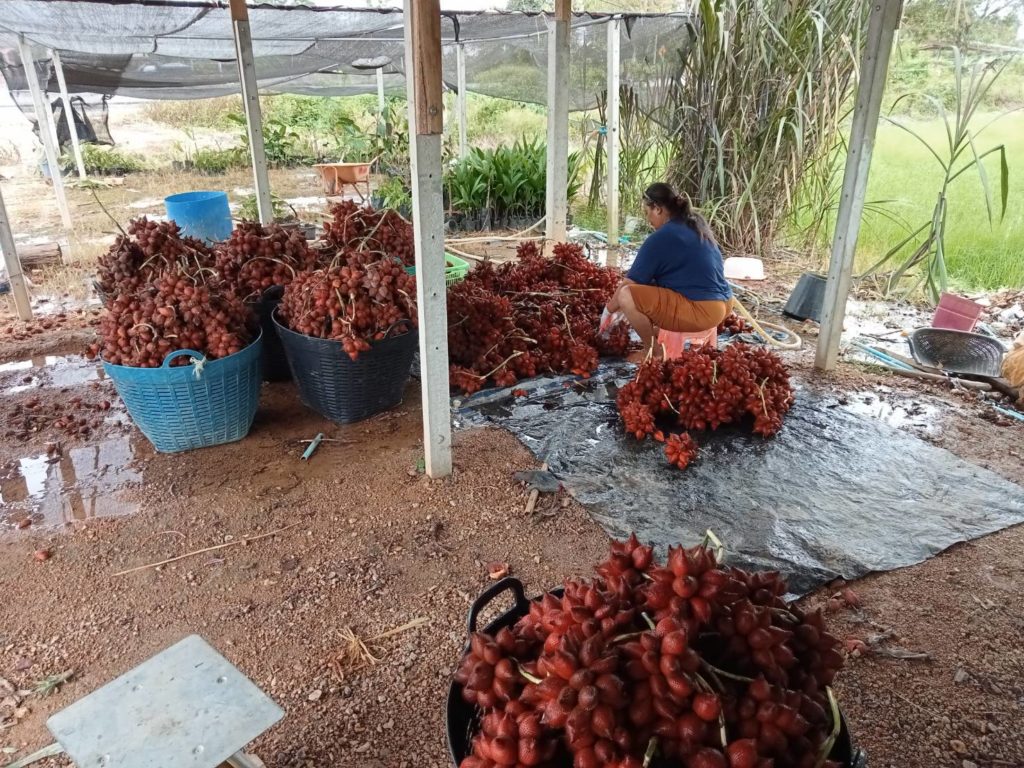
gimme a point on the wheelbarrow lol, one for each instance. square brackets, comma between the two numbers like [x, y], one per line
[337, 176]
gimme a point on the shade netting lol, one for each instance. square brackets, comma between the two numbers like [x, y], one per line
[157, 49]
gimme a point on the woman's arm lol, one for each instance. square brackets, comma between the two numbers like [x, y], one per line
[643, 271]
[613, 302]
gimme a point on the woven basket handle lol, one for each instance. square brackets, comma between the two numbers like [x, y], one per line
[404, 321]
[182, 353]
[508, 583]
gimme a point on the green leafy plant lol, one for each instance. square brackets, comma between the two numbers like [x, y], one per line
[920, 258]
[248, 208]
[104, 161]
[282, 144]
[763, 87]
[215, 162]
[501, 185]
[393, 193]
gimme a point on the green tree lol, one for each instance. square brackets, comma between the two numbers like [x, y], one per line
[961, 22]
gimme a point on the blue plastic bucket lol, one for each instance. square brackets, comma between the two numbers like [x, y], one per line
[202, 215]
[193, 406]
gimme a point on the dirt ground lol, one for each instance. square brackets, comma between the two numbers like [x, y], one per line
[366, 542]
[374, 545]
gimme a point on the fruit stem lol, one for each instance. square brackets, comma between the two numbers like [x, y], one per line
[531, 678]
[625, 638]
[715, 671]
[649, 620]
[652, 747]
[826, 748]
[711, 538]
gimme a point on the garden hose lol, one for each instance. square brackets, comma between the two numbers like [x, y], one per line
[792, 340]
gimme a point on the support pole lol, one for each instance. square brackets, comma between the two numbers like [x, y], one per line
[426, 125]
[76, 146]
[45, 131]
[885, 18]
[251, 104]
[13, 264]
[382, 103]
[612, 122]
[557, 207]
[460, 66]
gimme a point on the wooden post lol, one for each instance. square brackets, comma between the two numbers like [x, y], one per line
[426, 124]
[76, 146]
[885, 18]
[460, 77]
[45, 131]
[557, 207]
[251, 105]
[612, 124]
[13, 264]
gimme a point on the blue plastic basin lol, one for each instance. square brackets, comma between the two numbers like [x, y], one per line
[202, 215]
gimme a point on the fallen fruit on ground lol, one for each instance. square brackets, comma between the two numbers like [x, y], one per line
[705, 388]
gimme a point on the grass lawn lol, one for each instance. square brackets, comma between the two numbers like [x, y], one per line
[904, 172]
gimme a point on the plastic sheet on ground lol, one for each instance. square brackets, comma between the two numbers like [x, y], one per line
[834, 494]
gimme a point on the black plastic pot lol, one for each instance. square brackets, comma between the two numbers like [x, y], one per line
[807, 298]
[346, 390]
[274, 360]
[463, 719]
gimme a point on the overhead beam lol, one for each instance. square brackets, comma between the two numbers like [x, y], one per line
[13, 264]
[462, 107]
[874, 68]
[69, 116]
[46, 133]
[612, 138]
[251, 106]
[426, 125]
[557, 202]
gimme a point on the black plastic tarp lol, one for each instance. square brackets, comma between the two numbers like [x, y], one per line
[833, 494]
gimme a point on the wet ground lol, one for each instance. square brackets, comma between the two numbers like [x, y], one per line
[377, 545]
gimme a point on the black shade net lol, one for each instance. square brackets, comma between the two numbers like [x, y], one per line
[158, 50]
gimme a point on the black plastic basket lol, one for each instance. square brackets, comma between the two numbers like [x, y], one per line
[463, 719]
[346, 390]
[807, 298]
[274, 360]
[957, 351]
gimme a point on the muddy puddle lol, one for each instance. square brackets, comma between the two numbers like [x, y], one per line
[906, 413]
[78, 484]
[51, 371]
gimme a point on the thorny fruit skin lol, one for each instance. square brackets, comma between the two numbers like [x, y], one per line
[650, 653]
[257, 256]
[363, 293]
[529, 317]
[161, 295]
[705, 388]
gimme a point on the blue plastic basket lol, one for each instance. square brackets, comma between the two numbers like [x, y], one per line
[203, 215]
[192, 406]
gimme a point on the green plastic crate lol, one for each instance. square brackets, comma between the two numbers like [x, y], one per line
[455, 269]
